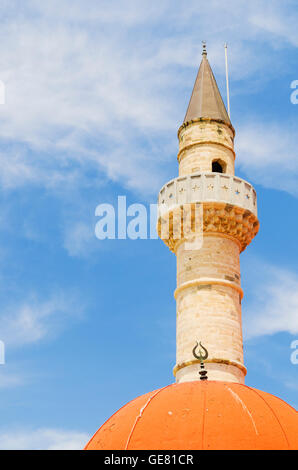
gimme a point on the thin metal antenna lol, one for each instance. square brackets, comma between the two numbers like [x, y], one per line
[227, 79]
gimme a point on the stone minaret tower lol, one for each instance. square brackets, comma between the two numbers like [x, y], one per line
[207, 217]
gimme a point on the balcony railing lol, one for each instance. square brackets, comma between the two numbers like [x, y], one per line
[208, 187]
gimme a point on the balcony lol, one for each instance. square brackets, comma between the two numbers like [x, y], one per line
[207, 187]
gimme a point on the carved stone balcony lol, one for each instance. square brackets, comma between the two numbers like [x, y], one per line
[208, 187]
[229, 206]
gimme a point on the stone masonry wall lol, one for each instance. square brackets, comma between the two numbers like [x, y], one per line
[202, 142]
[208, 297]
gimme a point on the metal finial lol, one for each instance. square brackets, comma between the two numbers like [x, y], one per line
[201, 357]
[204, 48]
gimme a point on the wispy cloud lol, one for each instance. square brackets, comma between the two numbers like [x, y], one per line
[34, 320]
[274, 301]
[272, 160]
[43, 439]
[280, 21]
[86, 91]
[10, 380]
[292, 385]
[79, 239]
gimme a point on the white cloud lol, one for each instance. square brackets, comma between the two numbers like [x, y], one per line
[43, 439]
[268, 154]
[274, 301]
[281, 22]
[103, 88]
[8, 380]
[78, 238]
[34, 320]
[292, 385]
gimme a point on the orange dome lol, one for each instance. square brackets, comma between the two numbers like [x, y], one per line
[200, 415]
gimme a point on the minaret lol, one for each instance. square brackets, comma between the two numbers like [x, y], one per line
[207, 216]
[222, 221]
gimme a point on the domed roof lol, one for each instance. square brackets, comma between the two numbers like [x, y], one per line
[201, 415]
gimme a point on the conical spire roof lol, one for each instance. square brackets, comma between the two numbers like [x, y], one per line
[206, 100]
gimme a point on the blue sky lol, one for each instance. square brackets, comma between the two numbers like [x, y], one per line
[95, 93]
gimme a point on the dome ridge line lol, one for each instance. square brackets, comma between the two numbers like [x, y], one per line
[142, 411]
[274, 414]
[206, 416]
[109, 419]
[244, 406]
[203, 418]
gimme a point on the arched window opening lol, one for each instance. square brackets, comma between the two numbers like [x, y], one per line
[218, 166]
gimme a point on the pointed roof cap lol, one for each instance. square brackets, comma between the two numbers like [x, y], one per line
[206, 100]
